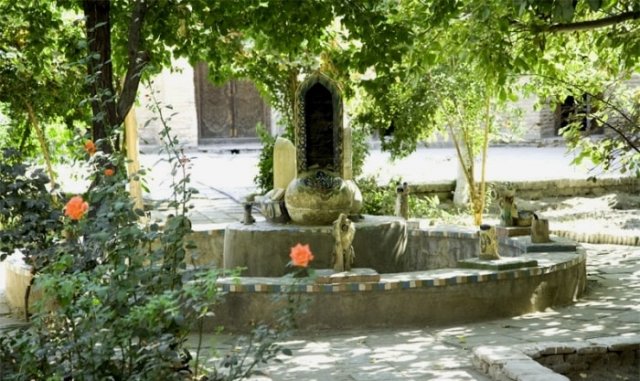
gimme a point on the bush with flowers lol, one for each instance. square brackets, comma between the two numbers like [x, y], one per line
[118, 300]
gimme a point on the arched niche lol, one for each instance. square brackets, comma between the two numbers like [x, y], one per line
[320, 130]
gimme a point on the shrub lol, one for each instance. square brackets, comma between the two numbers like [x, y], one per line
[264, 178]
[381, 200]
[118, 300]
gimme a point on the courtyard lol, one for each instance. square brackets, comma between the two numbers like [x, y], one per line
[609, 307]
[320, 190]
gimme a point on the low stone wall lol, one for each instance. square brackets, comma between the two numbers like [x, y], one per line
[426, 248]
[545, 360]
[539, 189]
[436, 297]
[209, 242]
[436, 248]
[599, 237]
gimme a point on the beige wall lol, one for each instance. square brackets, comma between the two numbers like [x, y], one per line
[173, 87]
[176, 88]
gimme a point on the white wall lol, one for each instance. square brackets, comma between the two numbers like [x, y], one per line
[173, 87]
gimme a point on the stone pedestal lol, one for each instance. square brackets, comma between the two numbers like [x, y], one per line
[504, 263]
[555, 244]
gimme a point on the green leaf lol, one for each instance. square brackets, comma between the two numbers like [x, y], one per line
[563, 10]
[595, 4]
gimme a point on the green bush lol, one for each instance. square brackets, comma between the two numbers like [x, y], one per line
[118, 300]
[29, 218]
[377, 200]
[381, 200]
[264, 178]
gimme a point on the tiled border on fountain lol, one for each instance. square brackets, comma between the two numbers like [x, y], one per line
[444, 295]
[547, 263]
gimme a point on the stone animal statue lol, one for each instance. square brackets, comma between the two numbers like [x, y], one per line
[343, 233]
[402, 201]
[508, 208]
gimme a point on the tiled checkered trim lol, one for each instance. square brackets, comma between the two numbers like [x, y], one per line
[553, 262]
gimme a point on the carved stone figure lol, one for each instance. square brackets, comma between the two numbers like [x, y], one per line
[343, 233]
[488, 242]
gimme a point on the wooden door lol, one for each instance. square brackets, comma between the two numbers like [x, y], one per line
[228, 111]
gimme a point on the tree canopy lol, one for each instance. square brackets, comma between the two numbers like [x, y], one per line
[387, 55]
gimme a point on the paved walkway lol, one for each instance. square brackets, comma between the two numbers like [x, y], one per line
[610, 307]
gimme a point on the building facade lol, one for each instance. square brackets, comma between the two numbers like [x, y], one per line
[205, 114]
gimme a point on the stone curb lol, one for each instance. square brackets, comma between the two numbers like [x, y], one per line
[537, 188]
[523, 362]
[599, 238]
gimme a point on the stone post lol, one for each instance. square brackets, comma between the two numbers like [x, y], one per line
[284, 163]
[539, 230]
[248, 218]
[402, 201]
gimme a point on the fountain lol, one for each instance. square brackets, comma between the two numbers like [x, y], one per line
[402, 274]
[316, 191]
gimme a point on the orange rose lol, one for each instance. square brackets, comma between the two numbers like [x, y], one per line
[301, 255]
[90, 147]
[108, 172]
[76, 208]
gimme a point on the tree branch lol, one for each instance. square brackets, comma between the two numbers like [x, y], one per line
[624, 137]
[600, 98]
[591, 24]
[138, 59]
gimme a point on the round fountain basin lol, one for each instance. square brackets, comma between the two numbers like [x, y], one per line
[263, 248]
[433, 279]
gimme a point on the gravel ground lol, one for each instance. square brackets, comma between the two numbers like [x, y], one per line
[615, 214]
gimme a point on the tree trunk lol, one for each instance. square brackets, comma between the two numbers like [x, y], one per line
[99, 68]
[109, 110]
[461, 193]
[43, 144]
[133, 164]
